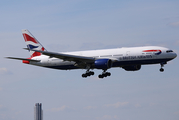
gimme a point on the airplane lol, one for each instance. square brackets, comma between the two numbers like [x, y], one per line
[128, 58]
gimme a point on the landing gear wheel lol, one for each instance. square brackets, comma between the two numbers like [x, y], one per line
[108, 73]
[88, 73]
[100, 76]
[84, 75]
[104, 74]
[91, 73]
[161, 69]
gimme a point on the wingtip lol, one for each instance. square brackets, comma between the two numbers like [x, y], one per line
[26, 48]
[7, 57]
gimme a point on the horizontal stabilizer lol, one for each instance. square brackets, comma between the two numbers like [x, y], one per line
[26, 48]
[30, 60]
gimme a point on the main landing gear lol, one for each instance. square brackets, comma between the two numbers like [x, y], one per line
[88, 73]
[162, 65]
[104, 74]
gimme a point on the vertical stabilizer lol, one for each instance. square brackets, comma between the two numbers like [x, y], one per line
[32, 43]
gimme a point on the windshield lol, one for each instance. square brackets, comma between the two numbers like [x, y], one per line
[168, 51]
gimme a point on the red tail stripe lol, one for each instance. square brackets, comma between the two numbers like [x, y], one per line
[37, 53]
[29, 38]
[43, 49]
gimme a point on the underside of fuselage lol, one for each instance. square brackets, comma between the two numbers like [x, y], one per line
[115, 64]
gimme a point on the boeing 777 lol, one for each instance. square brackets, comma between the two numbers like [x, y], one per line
[130, 59]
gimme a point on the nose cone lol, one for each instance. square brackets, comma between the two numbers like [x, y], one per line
[175, 55]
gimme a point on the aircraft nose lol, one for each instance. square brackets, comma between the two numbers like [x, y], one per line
[175, 55]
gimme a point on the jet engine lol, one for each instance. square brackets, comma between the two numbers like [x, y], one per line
[103, 63]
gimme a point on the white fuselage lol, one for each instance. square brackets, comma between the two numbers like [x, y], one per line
[128, 58]
[119, 56]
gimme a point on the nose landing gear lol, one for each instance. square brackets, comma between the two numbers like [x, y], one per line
[161, 69]
[162, 65]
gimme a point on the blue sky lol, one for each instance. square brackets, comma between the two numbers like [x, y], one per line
[84, 25]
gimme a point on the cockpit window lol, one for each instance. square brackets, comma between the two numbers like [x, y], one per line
[168, 51]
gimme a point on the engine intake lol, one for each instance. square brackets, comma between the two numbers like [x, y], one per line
[103, 64]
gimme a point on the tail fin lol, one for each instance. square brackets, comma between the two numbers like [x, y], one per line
[32, 43]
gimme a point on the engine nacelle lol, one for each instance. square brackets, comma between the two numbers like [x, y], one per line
[132, 67]
[103, 63]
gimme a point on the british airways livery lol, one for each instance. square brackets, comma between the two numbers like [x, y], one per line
[130, 59]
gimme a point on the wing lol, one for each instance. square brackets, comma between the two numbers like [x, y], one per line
[67, 57]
